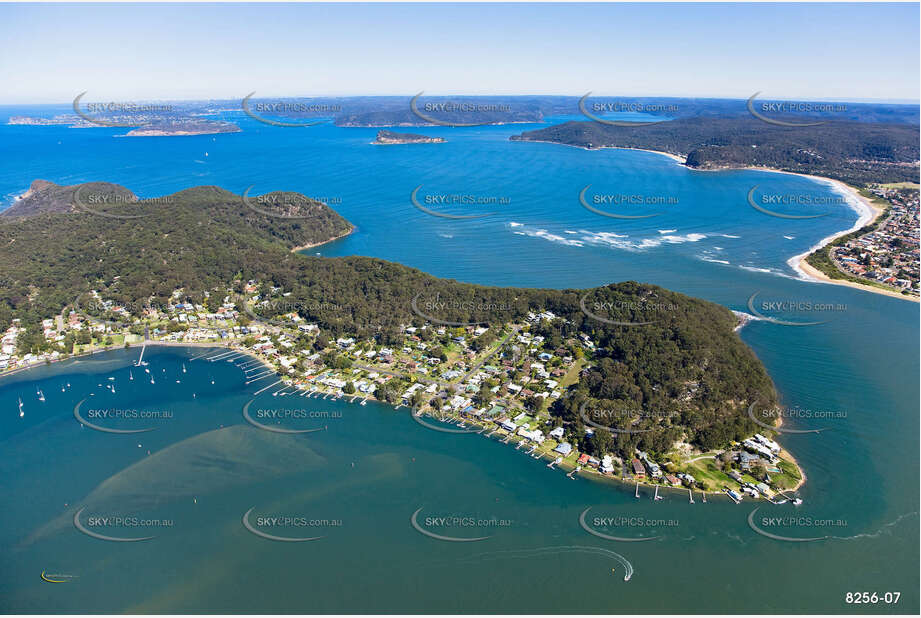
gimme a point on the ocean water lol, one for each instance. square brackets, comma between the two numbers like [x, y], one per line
[371, 467]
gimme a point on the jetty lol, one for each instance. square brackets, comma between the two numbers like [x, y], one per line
[268, 387]
[141, 357]
[637, 494]
[220, 356]
[690, 496]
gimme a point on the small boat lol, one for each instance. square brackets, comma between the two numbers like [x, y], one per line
[111, 378]
[797, 501]
[212, 381]
[21, 413]
[146, 370]
[183, 367]
[68, 385]
[130, 377]
[152, 380]
[177, 381]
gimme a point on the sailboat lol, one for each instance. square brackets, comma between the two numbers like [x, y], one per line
[183, 367]
[151, 380]
[130, 376]
[21, 413]
[146, 370]
[41, 395]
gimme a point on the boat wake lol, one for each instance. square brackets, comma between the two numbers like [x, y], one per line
[551, 551]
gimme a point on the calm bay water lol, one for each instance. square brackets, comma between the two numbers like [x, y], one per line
[372, 467]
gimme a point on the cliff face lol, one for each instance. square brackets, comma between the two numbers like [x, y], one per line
[47, 197]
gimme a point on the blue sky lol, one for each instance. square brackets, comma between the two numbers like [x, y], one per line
[50, 53]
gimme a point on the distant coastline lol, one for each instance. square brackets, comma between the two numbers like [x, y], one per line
[866, 211]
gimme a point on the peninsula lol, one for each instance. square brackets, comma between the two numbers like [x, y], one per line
[551, 370]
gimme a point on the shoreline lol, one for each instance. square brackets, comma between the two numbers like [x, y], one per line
[588, 472]
[866, 211]
[322, 242]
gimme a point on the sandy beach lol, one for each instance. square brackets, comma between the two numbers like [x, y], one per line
[322, 242]
[867, 213]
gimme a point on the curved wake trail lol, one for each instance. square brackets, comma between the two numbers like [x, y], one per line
[873, 535]
[545, 551]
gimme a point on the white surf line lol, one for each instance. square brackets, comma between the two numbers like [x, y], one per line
[267, 387]
[864, 215]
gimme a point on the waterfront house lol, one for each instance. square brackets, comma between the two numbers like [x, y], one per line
[638, 469]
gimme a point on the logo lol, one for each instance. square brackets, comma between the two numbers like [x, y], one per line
[778, 199]
[281, 521]
[274, 107]
[612, 521]
[255, 423]
[613, 123]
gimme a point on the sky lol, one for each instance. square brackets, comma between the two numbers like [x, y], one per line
[848, 52]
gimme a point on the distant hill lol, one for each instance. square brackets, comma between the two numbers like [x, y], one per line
[855, 152]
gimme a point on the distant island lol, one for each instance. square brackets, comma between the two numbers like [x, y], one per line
[184, 127]
[390, 137]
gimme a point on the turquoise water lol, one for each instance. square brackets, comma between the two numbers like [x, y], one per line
[862, 362]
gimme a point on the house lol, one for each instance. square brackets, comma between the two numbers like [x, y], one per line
[564, 449]
[583, 459]
[674, 481]
[638, 469]
[557, 433]
[607, 464]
